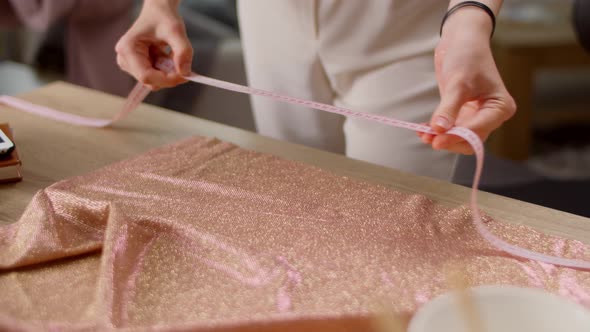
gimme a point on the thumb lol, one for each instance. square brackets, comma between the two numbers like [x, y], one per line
[447, 111]
[182, 53]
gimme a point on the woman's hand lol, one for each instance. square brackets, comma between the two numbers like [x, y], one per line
[472, 92]
[158, 26]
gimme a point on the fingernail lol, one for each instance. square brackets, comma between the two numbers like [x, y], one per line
[442, 122]
[186, 68]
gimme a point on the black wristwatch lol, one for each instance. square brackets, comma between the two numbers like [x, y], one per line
[477, 4]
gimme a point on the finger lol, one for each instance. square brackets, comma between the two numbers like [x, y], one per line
[493, 112]
[152, 87]
[462, 147]
[156, 52]
[488, 117]
[427, 138]
[137, 62]
[175, 78]
[421, 133]
[446, 113]
[142, 70]
[121, 63]
[445, 141]
[182, 51]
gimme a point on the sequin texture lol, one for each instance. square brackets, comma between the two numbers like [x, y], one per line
[203, 234]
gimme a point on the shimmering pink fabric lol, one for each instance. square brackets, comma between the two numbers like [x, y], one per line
[204, 235]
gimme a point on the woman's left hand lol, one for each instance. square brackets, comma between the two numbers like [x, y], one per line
[472, 92]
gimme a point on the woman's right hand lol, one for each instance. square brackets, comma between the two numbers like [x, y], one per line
[159, 25]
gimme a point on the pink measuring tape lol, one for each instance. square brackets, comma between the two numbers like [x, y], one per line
[139, 92]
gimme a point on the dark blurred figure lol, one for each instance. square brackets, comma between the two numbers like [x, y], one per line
[582, 22]
[92, 27]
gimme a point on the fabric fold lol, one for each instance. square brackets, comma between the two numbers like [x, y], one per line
[204, 235]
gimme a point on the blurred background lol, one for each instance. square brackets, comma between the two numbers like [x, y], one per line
[542, 155]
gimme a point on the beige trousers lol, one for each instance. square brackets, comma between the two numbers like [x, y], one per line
[373, 56]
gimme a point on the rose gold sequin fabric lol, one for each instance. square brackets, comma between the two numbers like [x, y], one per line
[204, 235]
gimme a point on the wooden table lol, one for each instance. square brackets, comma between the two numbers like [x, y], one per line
[520, 51]
[53, 151]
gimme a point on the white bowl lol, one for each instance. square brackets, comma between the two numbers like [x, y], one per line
[504, 309]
